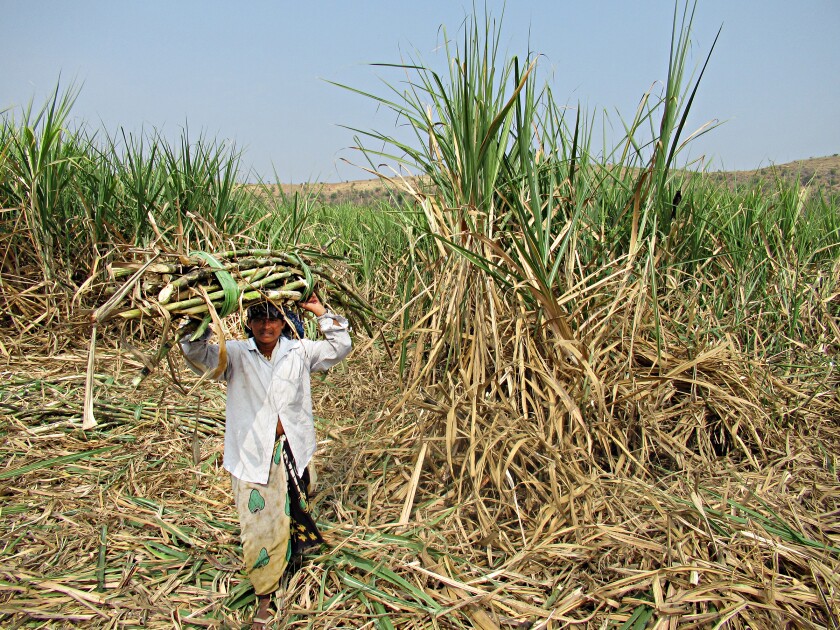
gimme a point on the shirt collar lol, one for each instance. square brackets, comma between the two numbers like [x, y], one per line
[284, 344]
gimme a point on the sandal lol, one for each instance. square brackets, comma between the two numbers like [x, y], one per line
[262, 615]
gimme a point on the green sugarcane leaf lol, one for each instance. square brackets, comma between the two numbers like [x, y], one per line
[55, 462]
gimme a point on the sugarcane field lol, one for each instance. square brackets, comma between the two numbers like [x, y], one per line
[586, 389]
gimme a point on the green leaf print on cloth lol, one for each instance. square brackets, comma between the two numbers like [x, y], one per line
[256, 502]
[288, 505]
[278, 453]
[262, 559]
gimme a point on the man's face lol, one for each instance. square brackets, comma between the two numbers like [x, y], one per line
[266, 331]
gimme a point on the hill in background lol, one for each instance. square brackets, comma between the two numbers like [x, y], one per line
[819, 173]
[359, 192]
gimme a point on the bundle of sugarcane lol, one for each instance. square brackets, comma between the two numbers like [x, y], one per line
[206, 288]
[228, 280]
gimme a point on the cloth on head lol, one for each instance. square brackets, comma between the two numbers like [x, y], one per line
[263, 310]
[269, 310]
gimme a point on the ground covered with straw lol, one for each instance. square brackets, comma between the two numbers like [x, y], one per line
[131, 525]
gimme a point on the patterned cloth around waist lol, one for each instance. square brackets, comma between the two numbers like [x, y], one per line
[275, 518]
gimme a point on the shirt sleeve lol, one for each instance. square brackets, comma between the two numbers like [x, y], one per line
[201, 356]
[323, 354]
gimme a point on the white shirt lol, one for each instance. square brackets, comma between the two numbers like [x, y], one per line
[260, 391]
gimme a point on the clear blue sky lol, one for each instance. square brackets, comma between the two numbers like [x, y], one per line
[256, 73]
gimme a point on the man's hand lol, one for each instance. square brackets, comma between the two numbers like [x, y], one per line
[187, 328]
[313, 305]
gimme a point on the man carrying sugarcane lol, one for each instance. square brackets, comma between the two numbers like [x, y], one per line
[270, 433]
